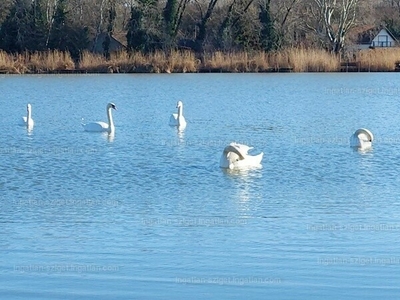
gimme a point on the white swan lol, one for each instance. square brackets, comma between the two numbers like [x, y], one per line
[362, 139]
[178, 119]
[102, 126]
[28, 121]
[235, 156]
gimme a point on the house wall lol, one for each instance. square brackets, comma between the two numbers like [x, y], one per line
[383, 39]
[114, 45]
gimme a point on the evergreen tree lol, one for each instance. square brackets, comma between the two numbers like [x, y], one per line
[268, 35]
[170, 14]
[5, 7]
[38, 27]
[136, 36]
[110, 27]
[14, 30]
[238, 28]
[64, 36]
[78, 40]
[245, 37]
[58, 37]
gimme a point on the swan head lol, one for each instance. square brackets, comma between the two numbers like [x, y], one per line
[179, 104]
[362, 138]
[111, 105]
[28, 107]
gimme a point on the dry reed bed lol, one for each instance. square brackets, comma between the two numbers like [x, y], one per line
[294, 59]
[312, 60]
[38, 62]
[122, 62]
[378, 60]
[298, 60]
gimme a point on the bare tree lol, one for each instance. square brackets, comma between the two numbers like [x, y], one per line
[335, 18]
[202, 23]
[100, 23]
[5, 7]
[236, 10]
[285, 24]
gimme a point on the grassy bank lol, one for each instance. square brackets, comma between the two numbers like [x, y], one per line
[293, 60]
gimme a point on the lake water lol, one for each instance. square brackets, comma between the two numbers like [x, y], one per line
[150, 215]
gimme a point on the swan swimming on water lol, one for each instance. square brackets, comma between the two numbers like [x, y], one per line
[235, 156]
[28, 121]
[178, 119]
[362, 139]
[102, 126]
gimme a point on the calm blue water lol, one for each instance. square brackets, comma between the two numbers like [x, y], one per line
[150, 215]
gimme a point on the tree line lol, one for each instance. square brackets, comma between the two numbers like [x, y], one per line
[199, 25]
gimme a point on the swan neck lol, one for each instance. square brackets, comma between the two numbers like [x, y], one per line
[180, 111]
[110, 120]
[29, 118]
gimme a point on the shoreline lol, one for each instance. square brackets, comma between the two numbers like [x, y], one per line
[295, 60]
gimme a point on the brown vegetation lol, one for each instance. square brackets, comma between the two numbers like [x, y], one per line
[293, 59]
[38, 62]
[378, 60]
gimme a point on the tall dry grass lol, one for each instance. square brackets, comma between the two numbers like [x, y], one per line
[260, 62]
[137, 62]
[296, 59]
[236, 62]
[279, 60]
[378, 60]
[93, 63]
[49, 62]
[171, 62]
[312, 60]
[293, 59]
[217, 62]
[7, 63]
[38, 62]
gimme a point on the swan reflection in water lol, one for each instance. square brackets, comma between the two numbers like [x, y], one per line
[243, 168]
[181, 136]
[110, 137]
[245, 185]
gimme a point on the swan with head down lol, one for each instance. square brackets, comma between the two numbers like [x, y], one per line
[102, 126]
[362, 139]
[28, 121]
[178, 119]
[235, 156]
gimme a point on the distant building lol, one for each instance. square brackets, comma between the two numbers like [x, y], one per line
[97, 46]
[384, 39]
[376, 38]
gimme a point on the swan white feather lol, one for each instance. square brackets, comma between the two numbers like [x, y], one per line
[235, 156]
[362, 138]
[27, 121]
[178, 119]
[102, 126]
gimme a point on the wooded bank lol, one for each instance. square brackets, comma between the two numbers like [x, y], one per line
[202, 26]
